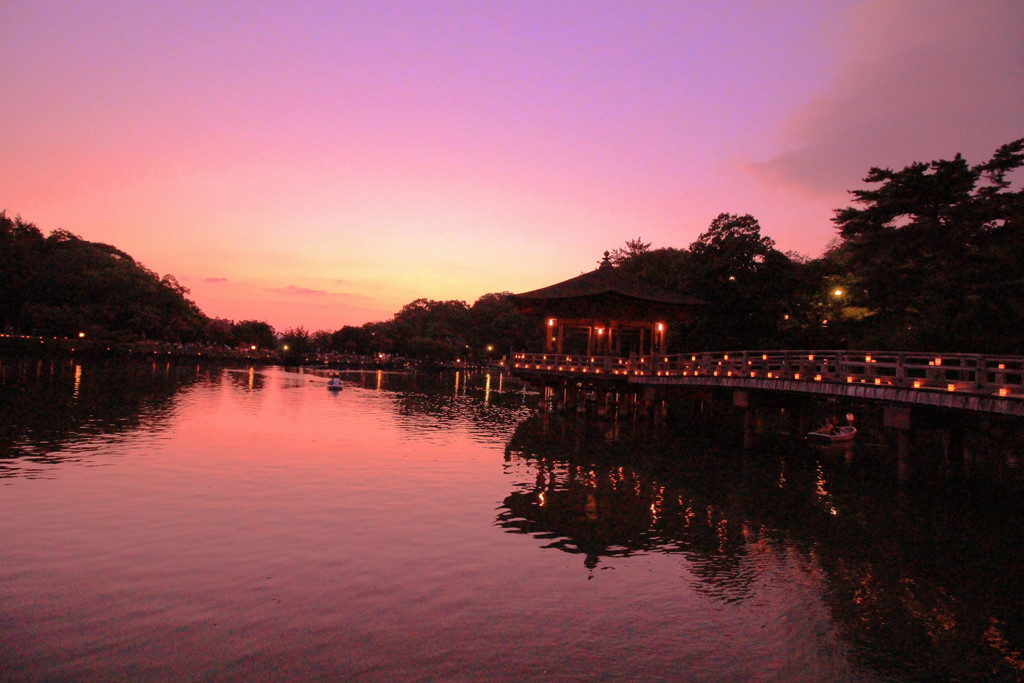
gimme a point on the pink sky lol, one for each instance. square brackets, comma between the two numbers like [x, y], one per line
[324, 163]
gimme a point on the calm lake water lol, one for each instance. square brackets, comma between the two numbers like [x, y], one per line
[173, 522]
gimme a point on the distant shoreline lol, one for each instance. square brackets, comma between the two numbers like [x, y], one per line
[34, 346]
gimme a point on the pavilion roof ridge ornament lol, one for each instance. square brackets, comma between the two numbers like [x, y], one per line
[606, 262]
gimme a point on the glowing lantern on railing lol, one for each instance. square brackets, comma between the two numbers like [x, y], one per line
[1003, 391]
[950, 387]
[917, 384]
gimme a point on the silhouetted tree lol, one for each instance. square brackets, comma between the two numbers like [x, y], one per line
[63, 285]
[255, 333]
[494, 322]
[934, 254]
[633, 248]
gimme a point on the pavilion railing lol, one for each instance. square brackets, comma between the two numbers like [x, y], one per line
[998, 375]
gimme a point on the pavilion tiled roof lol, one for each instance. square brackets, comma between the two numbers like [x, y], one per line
[607, 280]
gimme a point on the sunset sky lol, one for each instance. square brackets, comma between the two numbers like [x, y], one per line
[324, 163]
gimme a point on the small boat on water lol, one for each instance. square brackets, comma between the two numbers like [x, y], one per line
[835, 435]
[335, 384]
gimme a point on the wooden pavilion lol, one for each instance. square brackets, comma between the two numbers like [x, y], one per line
[606, 312]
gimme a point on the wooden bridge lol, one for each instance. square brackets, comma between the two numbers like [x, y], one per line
[972, 382]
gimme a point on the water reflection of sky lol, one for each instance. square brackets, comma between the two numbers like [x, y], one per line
[435, 526]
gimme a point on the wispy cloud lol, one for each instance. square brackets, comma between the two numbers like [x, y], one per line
[213, 280]
[302, 291]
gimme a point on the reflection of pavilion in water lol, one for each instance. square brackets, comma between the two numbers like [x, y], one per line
[591, 503]
[905, 583]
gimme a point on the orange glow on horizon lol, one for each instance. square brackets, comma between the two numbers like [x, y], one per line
[273, 197]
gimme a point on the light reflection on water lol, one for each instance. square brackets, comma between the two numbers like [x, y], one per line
[169, 522]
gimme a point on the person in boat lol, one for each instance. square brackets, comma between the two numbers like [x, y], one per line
[828, 426]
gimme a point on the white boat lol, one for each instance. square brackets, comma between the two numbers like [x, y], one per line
[334, 384]
[836, 435]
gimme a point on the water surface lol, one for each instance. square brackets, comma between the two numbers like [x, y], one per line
[168, 522]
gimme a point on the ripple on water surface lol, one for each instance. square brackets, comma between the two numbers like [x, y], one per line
[182, 523]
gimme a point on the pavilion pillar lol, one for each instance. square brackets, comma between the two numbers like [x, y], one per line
[602, 333]
[658, 343]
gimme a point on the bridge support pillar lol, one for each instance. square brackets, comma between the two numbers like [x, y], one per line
[898, 418]
[953, 442]
[743, 399]
[799, 419]
[650, 394]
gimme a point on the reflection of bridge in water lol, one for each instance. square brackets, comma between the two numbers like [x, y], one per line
[951, 392]
[923, 586]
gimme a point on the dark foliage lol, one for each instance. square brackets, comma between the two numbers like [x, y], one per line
[445, 331]
[63, 285]
[928, 260]
[934, 253]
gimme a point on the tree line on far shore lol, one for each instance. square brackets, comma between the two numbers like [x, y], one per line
[929, 258]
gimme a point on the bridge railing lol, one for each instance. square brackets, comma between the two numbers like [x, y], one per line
[956, 372]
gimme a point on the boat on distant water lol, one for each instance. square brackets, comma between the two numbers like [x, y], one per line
[835, 435]
[335, 384]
